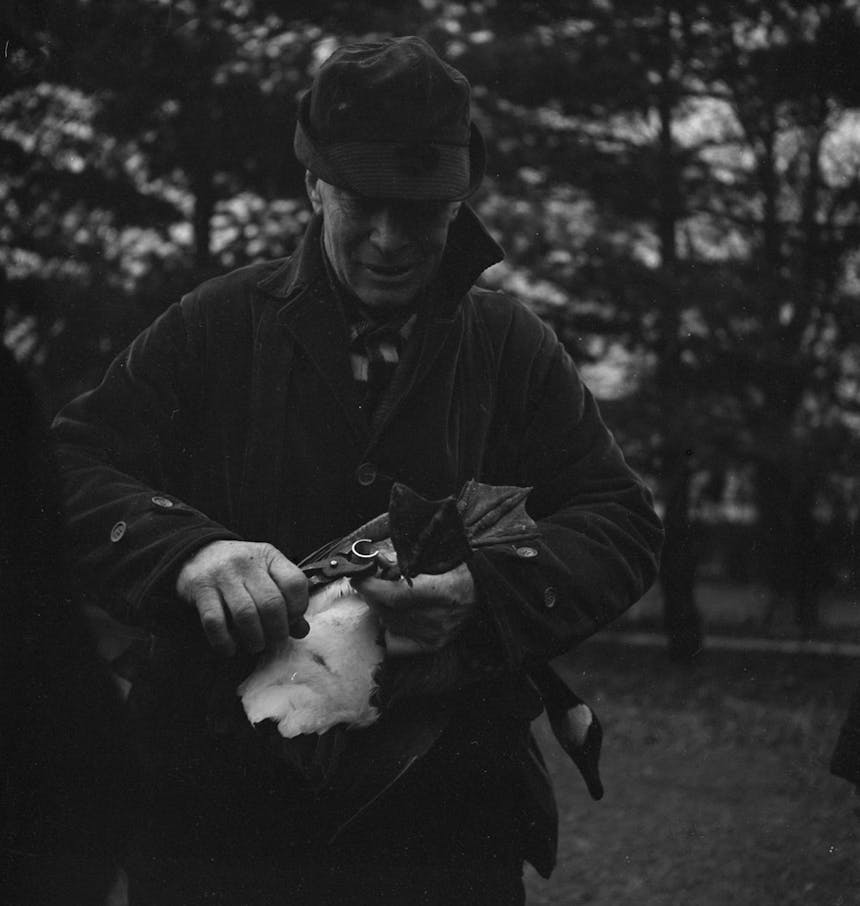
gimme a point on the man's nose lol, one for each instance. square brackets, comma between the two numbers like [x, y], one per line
[388, 232]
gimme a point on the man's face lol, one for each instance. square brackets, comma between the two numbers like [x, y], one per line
[384, 250]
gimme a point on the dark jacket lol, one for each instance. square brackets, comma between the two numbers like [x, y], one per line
[235, 416]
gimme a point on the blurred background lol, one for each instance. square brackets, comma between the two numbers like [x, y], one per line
[677, 187]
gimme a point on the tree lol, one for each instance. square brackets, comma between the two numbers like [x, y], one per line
[671, 244]
[676, 185]
[147, 145]
[621, 128]
[790, 77]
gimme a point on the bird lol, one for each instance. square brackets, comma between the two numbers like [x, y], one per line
[331, 677]
[311, 684]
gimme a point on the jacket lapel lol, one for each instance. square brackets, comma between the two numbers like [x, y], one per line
[418, 356]
[317, 325]
[314, 320]
[306, 320]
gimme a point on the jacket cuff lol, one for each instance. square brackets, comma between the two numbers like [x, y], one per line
[156, 536]
[162, 610]
[523, 603]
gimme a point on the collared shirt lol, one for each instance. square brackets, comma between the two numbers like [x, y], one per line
[376, 341]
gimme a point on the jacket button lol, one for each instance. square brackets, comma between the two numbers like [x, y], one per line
[164, 502]
[550, 597]
[527, 552]
[117, 531]
[365, 474]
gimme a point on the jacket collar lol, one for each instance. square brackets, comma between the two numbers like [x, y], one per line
[469, 251]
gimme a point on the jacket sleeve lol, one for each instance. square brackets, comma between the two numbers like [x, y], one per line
[123, 451]
[599, 537]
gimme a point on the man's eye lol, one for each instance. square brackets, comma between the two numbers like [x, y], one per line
[364, 208]
[416, 212]
[429, 210]
[354, 204]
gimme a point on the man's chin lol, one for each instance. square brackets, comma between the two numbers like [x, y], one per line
[387, 299]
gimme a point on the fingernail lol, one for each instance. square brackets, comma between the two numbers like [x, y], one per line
[299, 628]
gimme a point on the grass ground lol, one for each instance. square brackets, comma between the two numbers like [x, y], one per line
[749, 610]
[717, 783]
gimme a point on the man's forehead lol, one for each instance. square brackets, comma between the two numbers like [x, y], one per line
[384, 201]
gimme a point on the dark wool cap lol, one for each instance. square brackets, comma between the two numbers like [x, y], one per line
[391, 119]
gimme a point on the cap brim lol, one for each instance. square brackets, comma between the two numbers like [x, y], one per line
[383, 170]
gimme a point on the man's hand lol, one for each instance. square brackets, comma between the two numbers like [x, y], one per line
[245, 592]
[424, 617]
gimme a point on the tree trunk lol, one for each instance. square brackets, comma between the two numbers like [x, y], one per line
[804, 553]
[789, 545]
[678, 567]
[204, 207]
[681, 618]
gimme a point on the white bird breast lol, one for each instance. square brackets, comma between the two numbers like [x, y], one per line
[309, 685]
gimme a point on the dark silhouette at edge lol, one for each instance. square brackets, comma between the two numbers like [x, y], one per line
[68, 784]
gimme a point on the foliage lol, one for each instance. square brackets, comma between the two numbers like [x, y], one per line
[676, 185]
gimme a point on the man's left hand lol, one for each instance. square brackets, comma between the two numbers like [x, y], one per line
[422, 617]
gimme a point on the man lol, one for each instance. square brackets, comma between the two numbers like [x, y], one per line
[270, 412]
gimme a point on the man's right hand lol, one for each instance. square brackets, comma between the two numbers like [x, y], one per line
[245, 592]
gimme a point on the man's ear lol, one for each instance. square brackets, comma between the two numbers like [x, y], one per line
[312, 186]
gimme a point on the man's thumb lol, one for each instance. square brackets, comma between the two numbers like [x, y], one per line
[293, 585]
